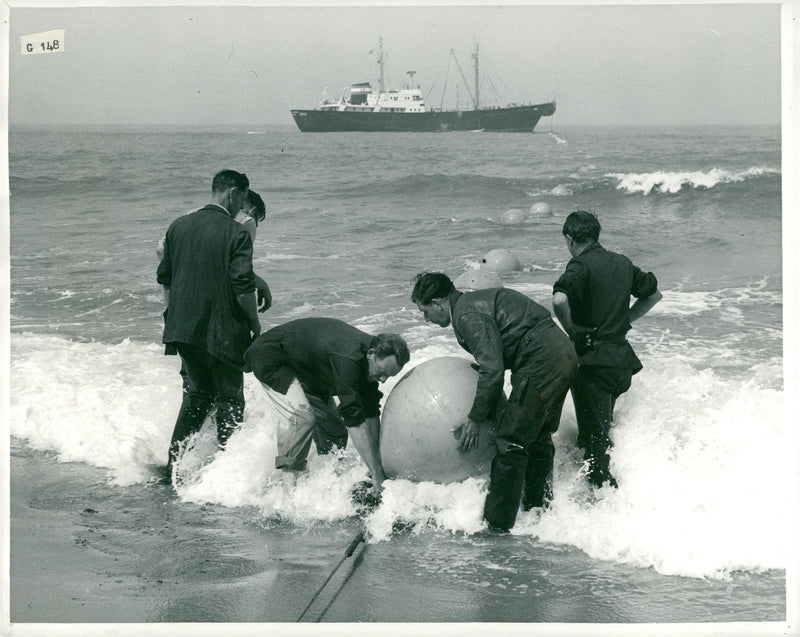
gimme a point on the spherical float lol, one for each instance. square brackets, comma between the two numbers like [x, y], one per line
[477, 280]
[560, 191]
[417, 441]
[499, 260]
[513, 216]
[541, 209]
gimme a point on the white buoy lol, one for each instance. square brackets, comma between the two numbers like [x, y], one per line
[513, 216]
[541, 209]
[500, 260]
[560, 191]
[477, 280]
[417, 441]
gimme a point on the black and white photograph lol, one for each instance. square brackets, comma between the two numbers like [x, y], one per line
[451, 318]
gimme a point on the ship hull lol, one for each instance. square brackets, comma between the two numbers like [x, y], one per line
[513, 119]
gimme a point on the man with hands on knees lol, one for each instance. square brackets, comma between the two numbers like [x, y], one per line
[504, 329]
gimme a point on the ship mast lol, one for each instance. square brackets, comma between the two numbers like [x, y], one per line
[380, 63]
[477, 78]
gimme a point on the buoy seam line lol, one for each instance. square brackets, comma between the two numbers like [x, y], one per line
[439, 405]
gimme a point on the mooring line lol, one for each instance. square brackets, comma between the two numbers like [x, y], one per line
[349, 552]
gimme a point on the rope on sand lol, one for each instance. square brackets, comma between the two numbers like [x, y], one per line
[348, 552]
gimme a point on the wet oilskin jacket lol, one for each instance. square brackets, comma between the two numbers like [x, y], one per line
[491, 325]
[327, 356]
[207, 263]
[599, 285]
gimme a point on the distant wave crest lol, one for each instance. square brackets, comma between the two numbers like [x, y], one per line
[673, 182]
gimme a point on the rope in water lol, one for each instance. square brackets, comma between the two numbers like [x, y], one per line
[350, 550]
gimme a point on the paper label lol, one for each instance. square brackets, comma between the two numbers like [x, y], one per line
[44, 42]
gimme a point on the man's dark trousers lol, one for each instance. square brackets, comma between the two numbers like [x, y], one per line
[209, 383]
[524, 460]
[594, 393]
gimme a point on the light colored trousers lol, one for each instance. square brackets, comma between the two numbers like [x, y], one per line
[303, 418]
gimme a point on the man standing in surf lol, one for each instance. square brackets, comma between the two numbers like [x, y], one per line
[303, 364]
[211, 316]
[504, 329]
[592, 302]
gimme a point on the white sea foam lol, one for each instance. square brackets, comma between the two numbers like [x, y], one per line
[698, 495]
[702, 462]
[300, 311]
[689, 303]
[94, 403]
[673, 182]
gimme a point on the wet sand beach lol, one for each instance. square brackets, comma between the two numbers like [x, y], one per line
[84, 551]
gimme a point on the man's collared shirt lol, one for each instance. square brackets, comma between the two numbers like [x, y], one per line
[599, 285]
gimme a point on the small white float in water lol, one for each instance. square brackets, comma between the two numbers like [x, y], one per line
[541, 209]
[500, 260]
[477, 280]
[513, 216]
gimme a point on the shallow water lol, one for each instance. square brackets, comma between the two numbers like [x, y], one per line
[139, 554]
[702, 452]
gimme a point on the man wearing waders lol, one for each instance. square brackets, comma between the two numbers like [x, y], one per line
[504, 329]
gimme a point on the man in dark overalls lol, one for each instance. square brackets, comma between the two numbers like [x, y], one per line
[504, 329]
[592, 300]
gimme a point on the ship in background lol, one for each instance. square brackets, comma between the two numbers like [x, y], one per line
[364, 109]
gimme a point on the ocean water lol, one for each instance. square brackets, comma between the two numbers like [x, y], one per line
[703, 454]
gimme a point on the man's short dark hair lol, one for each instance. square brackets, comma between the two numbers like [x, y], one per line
[226, 179]
[390, 345]
[255, 200]
[431, 285]
[582, 226]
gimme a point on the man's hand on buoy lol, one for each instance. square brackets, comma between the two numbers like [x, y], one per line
[469, 435]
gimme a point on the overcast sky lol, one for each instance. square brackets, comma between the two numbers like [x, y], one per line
[604, 64]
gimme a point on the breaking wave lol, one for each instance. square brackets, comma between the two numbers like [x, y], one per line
[673, 182]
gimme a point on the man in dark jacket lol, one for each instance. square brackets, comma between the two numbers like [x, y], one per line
[504, 329]
[207, 272]
[592, 300]
[303, 364]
